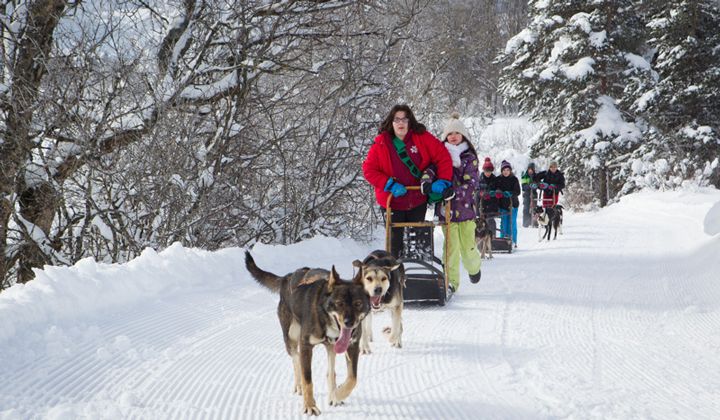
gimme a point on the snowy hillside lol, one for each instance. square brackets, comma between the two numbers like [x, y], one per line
[618, 318]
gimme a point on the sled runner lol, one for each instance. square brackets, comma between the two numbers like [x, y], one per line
[426, 278]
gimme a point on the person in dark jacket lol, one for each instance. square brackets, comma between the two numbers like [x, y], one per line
[401, 151]
[552, 183]
[486, 193]
[529, 194]
[508, 184]
[487, 187]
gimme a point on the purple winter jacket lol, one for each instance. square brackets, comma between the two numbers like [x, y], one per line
[465, 182]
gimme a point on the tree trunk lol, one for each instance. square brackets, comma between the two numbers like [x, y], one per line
[37, 206]
[603, 187]
[28, 71]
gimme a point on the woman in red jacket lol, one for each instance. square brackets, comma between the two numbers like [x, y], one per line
[401, 152]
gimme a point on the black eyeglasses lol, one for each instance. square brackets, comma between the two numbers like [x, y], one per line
[401, 120]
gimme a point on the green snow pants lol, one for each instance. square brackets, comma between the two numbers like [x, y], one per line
[462, 244]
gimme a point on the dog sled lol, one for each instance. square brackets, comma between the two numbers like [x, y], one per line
[426, 279]
[499, 242]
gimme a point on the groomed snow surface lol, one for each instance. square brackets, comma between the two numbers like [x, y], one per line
[617, 319]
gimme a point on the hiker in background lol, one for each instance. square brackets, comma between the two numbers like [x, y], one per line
[552, 183]
[529, 195]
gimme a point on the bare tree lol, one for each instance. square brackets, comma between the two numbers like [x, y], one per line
[201, 122]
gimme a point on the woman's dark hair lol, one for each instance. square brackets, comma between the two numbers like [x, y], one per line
[413, 124]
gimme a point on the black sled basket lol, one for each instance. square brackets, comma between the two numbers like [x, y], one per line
[500, 243]
[425, 276]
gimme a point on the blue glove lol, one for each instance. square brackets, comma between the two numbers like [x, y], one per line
[533, 186]
[395, 188]
[507, 194]
[439, 186]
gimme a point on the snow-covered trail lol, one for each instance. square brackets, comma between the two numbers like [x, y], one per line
[618, 318]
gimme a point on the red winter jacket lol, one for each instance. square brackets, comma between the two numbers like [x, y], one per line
[377, 167]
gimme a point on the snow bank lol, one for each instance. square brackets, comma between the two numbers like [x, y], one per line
[625, 325]
[59, 293]
[691, 207]
[712, 220]
[63, 293]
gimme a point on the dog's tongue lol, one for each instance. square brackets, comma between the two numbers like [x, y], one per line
[375, 300]
[343, 341]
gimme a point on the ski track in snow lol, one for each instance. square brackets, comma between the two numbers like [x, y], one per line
[612, 320]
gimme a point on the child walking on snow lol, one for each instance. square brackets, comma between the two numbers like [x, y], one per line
[462, 220]
[509, 203]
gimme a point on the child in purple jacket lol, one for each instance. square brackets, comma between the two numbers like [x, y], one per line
[462, 220]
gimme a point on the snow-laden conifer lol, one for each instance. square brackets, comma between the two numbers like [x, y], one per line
[683, 134]
[569, 68]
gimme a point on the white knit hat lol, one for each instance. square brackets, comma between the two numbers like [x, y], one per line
[454, 125]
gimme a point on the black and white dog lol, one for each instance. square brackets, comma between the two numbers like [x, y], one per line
[549, 218]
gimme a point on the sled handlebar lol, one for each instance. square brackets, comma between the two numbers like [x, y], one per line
[446, 226]
[388, 210]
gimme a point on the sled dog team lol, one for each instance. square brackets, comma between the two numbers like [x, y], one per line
[318, 307]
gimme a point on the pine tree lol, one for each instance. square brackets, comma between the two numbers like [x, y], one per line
[683, 134]
[569, 68]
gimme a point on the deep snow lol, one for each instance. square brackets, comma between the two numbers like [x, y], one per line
[618, 318]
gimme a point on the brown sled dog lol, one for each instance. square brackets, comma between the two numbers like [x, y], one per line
[317, 307]
[483, 236]
[383, 279]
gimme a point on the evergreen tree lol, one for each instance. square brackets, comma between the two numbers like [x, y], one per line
[683, 134]
[569, 68]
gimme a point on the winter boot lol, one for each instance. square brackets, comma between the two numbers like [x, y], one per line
[474, 278]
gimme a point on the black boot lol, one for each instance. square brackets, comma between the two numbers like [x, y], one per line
[474, 278]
